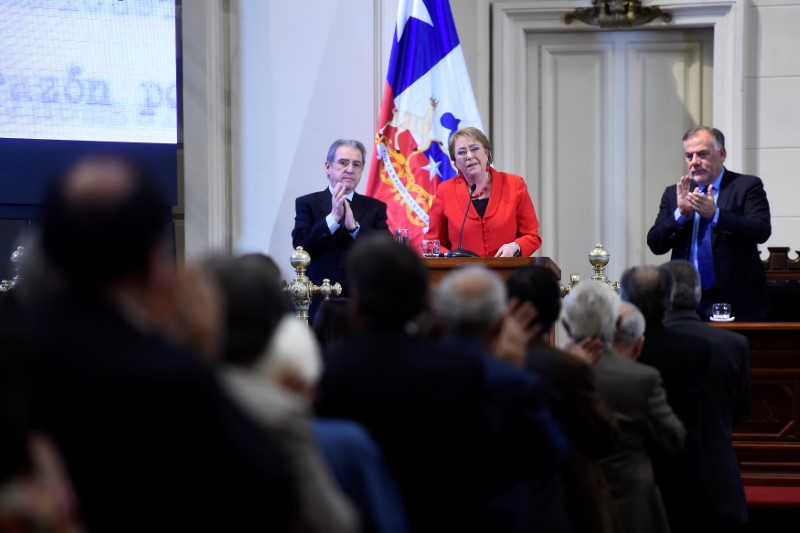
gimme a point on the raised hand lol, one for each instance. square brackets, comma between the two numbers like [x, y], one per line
[683, 190]
[703, 203]
[349, 219]
[337, 202]
[517, 331]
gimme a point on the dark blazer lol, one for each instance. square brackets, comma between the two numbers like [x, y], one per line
[592, 431]
[147, 434]
[743, 224]
[430, 411]
[633, 391]
[727, 403]
[328, 251]
[683, 361]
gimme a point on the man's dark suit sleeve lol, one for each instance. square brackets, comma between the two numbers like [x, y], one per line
[375, 220]
[662, 236]
[310, 227]
[746, 213]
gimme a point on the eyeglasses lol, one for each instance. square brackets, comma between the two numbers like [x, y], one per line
[462, 153]
[344, 163]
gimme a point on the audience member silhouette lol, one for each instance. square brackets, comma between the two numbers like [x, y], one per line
[635, 394]
[148, 436]
[591, 428]
[727, 402]
[682, 359]
[253, 313]
[472, 304]
[423, 404]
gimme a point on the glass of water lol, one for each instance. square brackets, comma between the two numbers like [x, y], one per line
[430, 247]
[401, 236]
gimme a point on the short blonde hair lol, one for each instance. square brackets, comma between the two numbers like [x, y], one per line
[472, 133]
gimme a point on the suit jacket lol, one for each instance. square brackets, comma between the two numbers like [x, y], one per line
[286, 421]
[360, 469]
[329, 251]
[727, 403]
[633, 391]
[592, 431]
[147, 434]
[510, 216]
[743, 224]
[427, 408]
[683, 360]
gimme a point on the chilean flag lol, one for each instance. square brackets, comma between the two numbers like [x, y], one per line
[428, 96]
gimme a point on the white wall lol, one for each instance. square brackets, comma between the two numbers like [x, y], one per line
[773, 112]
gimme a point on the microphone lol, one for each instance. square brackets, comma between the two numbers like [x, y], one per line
[461, 252]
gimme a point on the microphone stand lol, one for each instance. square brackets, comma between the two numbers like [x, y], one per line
[460, 251]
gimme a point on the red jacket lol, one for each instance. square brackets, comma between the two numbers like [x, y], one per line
[509, 216]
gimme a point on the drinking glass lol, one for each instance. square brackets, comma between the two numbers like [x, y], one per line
[401, 236]
[430, 247]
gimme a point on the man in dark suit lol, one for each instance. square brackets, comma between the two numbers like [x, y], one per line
[715, 219]
[728, 400]
[148, 436]
[587, 422]
[328, 222]
[683, 360]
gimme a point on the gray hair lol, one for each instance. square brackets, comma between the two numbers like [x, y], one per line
[346, 142]
[719, 138]
[590, 310]
[686, 289]
[470, 300]
[630, 325]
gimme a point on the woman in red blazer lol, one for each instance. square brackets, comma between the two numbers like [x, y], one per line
[501, 221]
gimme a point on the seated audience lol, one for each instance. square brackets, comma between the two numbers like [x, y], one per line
[252, 313]
[633, 391]
[147, 434]
[423, 404]
[472, 304]
[590, 427]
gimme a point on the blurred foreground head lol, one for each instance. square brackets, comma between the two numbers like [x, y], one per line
[539, 286]
[389, 283]
[471, 302]
[103, 223]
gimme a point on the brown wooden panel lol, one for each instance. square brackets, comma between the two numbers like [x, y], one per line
[768, 443]
[439, 266]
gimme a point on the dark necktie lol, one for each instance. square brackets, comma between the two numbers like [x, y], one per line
[705, 257]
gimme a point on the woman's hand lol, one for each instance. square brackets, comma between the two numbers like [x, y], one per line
[508, 250]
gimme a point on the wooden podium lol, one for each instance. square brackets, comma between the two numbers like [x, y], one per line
[439, 266]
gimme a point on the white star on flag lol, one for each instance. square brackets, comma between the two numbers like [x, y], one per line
[409, 9]
[433, 168]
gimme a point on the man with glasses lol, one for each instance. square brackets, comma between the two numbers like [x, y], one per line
[715, 219]
[328, 222]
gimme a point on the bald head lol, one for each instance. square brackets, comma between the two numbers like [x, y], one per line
[471, 301]
[648, 288]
